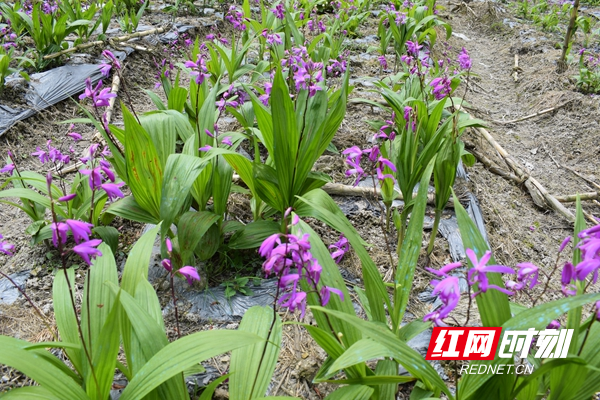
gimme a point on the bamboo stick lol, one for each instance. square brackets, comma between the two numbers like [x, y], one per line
[533, 115]
[101, 42]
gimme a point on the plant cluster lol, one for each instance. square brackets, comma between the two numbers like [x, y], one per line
[283, 74]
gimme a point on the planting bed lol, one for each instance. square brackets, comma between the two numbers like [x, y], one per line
[559, 149]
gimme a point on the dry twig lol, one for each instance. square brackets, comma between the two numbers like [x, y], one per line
[102, 42]
[546, 111]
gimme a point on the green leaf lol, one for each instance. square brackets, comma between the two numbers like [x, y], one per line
[106, 349]
[138, 261]
[253, 234]
[319, 205]
[331, 277]
[66, 321]
[493, 305]
[183, 353]
[285, 137]
[359, 352]
[129, 208]
[209, 244]
[352, 392]
[409, 253]
[109, 235]
[386, 372]
[191, 228]
[410, 359]
[252, 367]
[144, 172]
[29, 392]
[180, 173]
[44, 373]
[207, 393]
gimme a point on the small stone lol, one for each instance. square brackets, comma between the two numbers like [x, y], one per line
[225, 359]
[221, 394]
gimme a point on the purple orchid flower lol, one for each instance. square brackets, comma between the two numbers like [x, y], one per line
[190, 273]
[81, 230]
[8, 169]
[112, 190]
[59, 232]
[448, 290]
[6, 248]
[87, 250]
[478, 274]
[326, 294]
[340, 248]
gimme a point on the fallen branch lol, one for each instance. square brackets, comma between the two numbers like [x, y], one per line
[516, 68]
[102, 42]
[538, 193]
[582, 196]
[546, 111]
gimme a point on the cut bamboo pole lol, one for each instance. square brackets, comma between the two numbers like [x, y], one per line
[546, 111]
[102, 42]
[538, 193]
[516, 69]
[571, 198]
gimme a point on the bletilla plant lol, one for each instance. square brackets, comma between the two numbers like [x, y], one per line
[288, 257]
[95, 185]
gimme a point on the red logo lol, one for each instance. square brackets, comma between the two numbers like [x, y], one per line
[463, 343]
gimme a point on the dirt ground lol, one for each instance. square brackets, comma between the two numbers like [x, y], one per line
[549, 147]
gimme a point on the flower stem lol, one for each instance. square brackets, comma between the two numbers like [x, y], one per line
[175, 305]
[37, 310]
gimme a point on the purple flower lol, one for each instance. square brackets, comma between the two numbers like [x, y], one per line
[383, 61]
[279, 11]
[598, 311]
[294, 300]
[95, 179]
[105, 69]
[478, 274]
[112, 59]
[59, 232]
[464, 61]
[527, 273]
[169, 245]
[67, 198]
[413, 48]
[166, 263]
[8, 169]
[339, 248]
[383, 163]
[568, 274]
[41, 154]
[448, 291]
[354, 154]
[227, 140]
[554, 324]
[441, 87]
[564, 244]
[88, 250]
[205, 148]
[112, 190]
[190, 273]
[284, 252]
[102, 98]
[6, 248]
[445, 270]
[588, 267]
[326, 294]
[236, 18]
[199, 70]
[75, 136]
[81, 230]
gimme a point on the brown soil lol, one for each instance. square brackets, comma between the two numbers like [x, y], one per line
[518, 230]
